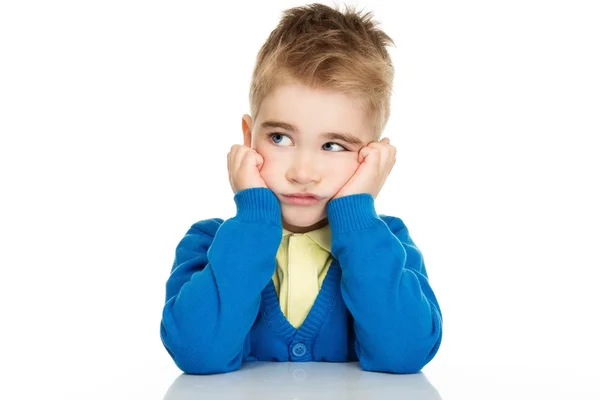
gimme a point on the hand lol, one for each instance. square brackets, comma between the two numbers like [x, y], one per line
[375, 164]
[244, 165]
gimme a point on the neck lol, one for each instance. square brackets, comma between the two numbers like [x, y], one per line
[303, 229]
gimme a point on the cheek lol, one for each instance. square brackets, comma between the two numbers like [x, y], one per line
[344, 169]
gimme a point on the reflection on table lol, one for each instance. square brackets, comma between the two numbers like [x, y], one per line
[298, 381]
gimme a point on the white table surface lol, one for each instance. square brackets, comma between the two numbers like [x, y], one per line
[302, 381]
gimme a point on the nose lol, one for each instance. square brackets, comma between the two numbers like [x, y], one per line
[303, 169]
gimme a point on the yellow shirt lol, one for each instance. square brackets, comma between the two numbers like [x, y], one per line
[302, 263]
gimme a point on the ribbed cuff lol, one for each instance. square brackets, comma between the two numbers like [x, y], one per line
[258, 204]
[351, 213]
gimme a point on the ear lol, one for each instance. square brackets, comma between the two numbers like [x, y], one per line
[247, 130]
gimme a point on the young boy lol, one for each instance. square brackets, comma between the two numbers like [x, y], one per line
[307, 270]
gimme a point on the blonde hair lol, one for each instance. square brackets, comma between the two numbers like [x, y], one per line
[322, 47]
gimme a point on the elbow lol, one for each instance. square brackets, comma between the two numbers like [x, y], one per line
[392, 365]
[201, 365]
[401, 360]
[412, 361]
[197, 360]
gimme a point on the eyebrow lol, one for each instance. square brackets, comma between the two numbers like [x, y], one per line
[346, 137]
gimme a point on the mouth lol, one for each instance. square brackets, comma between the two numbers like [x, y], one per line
[303, 199]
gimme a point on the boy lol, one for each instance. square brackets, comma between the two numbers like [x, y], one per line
[307, 270]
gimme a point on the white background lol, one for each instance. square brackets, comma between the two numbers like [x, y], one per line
[115, 121]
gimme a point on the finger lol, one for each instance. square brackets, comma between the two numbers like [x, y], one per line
[386, 149]
[377, 145]
[244, 157]
[372, 153]
[240, 155]
[375, 155]
[230, 158]
[229, 169]
[385, 142]
[388, 158]
[253, 160]
[362, 154]
[259, 161]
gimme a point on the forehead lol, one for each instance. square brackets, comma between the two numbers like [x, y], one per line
[314, 111]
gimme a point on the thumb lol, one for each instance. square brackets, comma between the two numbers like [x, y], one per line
[259, 161]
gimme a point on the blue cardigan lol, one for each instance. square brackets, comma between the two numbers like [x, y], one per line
[375, 305]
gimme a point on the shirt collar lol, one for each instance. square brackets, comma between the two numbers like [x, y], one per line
[321, 236]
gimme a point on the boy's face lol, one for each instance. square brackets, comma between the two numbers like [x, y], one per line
[300, 157]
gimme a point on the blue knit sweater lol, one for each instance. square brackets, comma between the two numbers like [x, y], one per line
[375, 305]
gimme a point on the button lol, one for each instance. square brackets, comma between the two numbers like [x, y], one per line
[299, 349]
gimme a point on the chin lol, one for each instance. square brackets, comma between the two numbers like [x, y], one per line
[302, 216]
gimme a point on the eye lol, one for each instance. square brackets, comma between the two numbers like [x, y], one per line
[336, 144]
[276, 137]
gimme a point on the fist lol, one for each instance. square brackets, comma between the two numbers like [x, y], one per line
[244, 165]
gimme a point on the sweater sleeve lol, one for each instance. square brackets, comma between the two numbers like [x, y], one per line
[397, 318]
[213, 292]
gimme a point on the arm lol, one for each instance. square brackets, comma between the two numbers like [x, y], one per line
[397, 319]
[213, 292]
